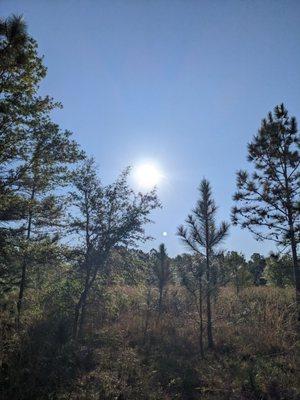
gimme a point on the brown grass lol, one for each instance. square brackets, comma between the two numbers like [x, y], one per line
[129, 353]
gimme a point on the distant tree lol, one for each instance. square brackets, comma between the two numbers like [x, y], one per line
[237, 269]
[220, 270]
[279, 270]
[108, 217]
[201, 234]
[256, 266]
[129, 265]
[161, 272]
[268, 200]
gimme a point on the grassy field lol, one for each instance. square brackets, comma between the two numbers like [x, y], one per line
[130, 353]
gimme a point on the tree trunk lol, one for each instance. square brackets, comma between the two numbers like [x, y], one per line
[201, 318]
[24, 264]
[80, 308]
[76, 318]
[297, 278]
[160, 300]
[21, 292]
[294, 253]
[147, 314]
[79, 315]
[82, 317]
[237, 286]
[210, 341]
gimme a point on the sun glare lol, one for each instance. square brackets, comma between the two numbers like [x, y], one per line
[147, 176]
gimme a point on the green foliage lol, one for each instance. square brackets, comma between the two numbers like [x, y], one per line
[237, 270]
[35, 155]
[268, 201]
[161, 272]
[190, 271]
[109, 217]
[279, 271]
[256, 266]
[202, 233]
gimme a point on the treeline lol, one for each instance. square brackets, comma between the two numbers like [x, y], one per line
[67, 239]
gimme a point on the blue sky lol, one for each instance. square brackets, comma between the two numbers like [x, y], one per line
[182, 83]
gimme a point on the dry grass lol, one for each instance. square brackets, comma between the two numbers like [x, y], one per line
[255, 340]
[129, 353]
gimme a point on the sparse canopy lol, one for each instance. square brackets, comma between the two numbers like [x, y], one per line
[109, 217]
[201, 234]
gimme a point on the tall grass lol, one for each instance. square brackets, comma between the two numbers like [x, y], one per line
[130, 353]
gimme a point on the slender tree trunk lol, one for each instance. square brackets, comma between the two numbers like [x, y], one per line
[24, 264]
[79, 315]
[210, 341]
[82, 317]
[237, 286]
[83, 300]
[294, 252]
[80, 308]
[200, 317]
[21, 291]
[160, 300]
[297, 277]
[76, 319]
[147, 314]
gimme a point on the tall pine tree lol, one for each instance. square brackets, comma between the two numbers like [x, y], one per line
[35, 152]
[201, 234]
[268, 200]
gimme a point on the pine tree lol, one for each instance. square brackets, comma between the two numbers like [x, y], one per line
[46, 168]
[256, 265]
[268, 200]
[279, 270]
[35, 152]
[20, 71]
[237, 268]
[162, 272]
[201, 234]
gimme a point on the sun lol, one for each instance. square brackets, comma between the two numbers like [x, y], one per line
[147, 175]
